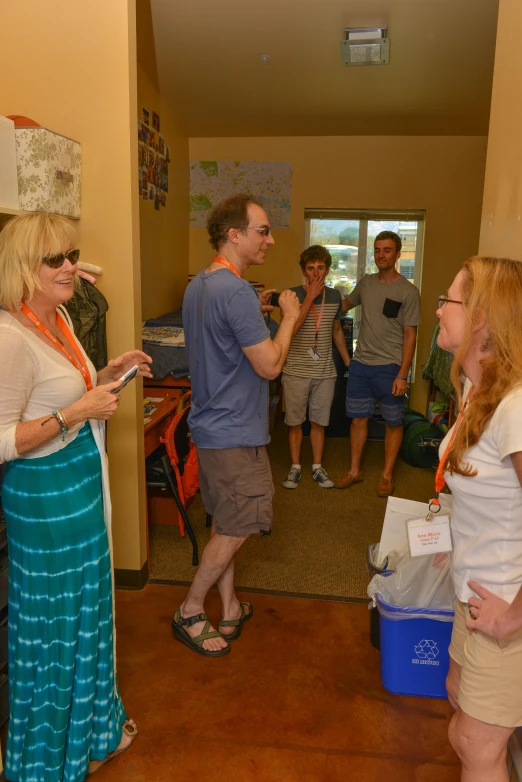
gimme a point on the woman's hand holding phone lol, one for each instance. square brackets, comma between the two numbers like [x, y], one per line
[126, 378]
[100, 403]
[117, 367]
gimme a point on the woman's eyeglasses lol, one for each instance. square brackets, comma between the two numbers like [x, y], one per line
[443, 300]
[55, 261]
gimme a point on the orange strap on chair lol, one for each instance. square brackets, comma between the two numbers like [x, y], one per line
[188, 482]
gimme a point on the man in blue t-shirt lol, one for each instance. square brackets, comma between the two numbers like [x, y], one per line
[231, 359]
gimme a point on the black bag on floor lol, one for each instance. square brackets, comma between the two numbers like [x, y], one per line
[420, 444]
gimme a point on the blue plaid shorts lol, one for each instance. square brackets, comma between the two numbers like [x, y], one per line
[368, 385]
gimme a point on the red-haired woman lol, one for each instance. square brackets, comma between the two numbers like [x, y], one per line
[481, 324]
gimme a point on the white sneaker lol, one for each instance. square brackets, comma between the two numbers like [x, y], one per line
[292, 479]
[323, 479]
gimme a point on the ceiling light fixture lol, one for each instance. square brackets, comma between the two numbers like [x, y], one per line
[264, 58]
[365, 46]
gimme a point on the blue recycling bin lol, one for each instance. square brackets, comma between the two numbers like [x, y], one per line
[414, 650]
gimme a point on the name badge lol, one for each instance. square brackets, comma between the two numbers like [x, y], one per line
[429, 537]
[314, 354]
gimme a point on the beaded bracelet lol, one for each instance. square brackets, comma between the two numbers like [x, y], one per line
[402, 378]
[62, 422]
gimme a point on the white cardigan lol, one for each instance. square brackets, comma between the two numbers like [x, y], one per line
[35, 380]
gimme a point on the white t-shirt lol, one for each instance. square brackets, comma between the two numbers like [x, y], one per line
[486, 521]
[34, 380]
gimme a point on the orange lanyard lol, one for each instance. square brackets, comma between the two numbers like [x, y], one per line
[219, 259]
[440, 480]
[80, 363]
[318, 321]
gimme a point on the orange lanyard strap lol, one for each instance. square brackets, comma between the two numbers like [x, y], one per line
[79, 362]
[318, 321]
[219, 259]
[440, 480]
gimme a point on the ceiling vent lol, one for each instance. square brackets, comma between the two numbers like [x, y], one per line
[365, 46]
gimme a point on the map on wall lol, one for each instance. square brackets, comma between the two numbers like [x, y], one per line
[213, 180]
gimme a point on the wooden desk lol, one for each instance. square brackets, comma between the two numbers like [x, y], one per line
[182, 383]
[161, 417]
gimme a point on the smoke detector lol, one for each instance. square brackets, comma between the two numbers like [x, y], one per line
[365, 46]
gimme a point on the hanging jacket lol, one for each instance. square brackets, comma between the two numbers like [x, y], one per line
[87, 310]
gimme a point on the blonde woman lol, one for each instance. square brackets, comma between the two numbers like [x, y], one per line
[66, 715]
[481, 324]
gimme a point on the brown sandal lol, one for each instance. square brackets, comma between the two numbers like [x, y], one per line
[131, 729]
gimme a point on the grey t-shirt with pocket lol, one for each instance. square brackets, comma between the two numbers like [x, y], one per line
[387, 307]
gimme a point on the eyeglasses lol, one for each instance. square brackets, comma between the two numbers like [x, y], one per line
[265, 229]
[443, 300]
[56, 261]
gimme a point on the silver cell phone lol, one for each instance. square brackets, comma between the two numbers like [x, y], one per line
[126, 378]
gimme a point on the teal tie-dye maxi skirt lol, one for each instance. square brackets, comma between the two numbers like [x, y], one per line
[63, 707]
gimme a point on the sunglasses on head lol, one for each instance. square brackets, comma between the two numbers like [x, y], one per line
[55, 261]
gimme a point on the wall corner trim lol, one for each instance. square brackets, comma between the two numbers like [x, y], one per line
[131, 579]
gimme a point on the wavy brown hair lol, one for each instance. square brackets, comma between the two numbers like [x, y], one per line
[490, 286]
[315, 253]
[230, 213]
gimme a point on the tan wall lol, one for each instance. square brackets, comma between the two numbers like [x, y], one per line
[443, 175]
[501, 229]
[164, 234]
[72, 68]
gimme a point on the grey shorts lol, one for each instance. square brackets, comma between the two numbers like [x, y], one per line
[316, 393]
[237, 489]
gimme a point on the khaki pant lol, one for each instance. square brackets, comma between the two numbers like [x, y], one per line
[316, 393]
[491, 680]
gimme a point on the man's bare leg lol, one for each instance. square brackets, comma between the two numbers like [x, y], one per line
[217, 556]
[317, 442]
[295, 438]
[392, 444]
[358, 435]
[231, 605]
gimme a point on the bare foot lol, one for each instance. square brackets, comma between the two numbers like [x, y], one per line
[127, 736]
[210, 644]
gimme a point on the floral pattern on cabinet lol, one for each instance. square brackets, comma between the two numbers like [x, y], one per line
[49, 171]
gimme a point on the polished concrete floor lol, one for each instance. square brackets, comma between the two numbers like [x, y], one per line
[298, 699]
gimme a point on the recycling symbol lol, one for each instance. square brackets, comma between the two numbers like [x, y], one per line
[426, 650]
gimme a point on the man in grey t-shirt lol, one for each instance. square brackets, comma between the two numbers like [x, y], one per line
[385, 349]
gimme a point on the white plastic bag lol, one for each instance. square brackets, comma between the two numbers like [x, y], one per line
[417, 583]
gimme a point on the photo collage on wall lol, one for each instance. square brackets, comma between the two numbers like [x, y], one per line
[153, 160]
